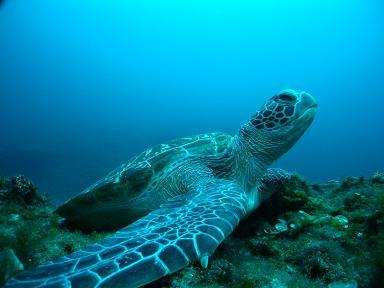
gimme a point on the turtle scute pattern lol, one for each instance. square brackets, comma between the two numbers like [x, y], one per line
[152, 161]
[143, 173]
[183, 230]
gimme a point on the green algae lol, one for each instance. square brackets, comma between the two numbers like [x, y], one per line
[379, 258]
[30, 230]
[2, 181]
[333, 240]
[380, 198]
[334, 234]
[9, 264]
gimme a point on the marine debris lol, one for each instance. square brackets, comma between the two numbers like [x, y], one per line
[307, 235]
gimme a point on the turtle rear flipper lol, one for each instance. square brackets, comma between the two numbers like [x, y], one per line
[110, 203]
[136, 187]
[185, 229]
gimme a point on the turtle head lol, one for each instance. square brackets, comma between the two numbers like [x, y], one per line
[279, 123]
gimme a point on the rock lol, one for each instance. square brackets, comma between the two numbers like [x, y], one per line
[377, 178]
[343, 284]
[14, 217]
[276, 283]
[374, 222]
[3, 181]
[317, 187]
[308, 247]
[3, 187]
[222, 271]
[303, 218]
[320, 260]
[292, 196]
[359, 235]
[293, 200]
[281, 226]
[9, 265]
[19, 189]
[350, 182]
[290, 270]
[331, 183]
[247, 284]
[354, 201]
[24, 189]
[263, 248]
[340, 221]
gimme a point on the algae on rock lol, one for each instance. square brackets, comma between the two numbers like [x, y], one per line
[319, 235]
[29, 230]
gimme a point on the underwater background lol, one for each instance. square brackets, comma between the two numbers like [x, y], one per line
[85, 85]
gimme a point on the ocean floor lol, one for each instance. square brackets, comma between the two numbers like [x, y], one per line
[307, 235]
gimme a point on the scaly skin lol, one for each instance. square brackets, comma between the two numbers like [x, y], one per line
[215, 193]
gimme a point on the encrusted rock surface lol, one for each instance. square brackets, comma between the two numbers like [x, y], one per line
[307, 235]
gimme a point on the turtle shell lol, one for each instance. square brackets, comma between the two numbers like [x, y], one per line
[112, 202]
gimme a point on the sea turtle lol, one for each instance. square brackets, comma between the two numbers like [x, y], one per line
[180, 200]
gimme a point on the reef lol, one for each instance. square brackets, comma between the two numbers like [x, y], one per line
[307, 235]
[30, 232]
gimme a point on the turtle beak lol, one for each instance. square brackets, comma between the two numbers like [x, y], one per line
[307, 101]
[307, 107]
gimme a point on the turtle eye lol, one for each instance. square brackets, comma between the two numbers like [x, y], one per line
[286, 97]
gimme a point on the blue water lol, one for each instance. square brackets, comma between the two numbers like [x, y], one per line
[84, 85]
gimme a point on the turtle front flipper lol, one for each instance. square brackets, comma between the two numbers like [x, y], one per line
[185, 229]
[273, 180]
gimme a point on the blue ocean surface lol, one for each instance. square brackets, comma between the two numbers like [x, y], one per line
[85, 85]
